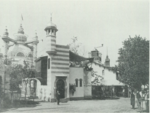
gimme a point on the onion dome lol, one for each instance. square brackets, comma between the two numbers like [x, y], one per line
[5, 36]
[19, 50]
[51, 25]
[20, 36]
[6, 33]
[36, 37]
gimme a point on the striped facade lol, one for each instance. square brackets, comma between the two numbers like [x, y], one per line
[60, 61]
[53, 43]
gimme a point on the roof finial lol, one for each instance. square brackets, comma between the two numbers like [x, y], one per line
[35, 33]
[6, 28]
[51, 18]
[6, 32]
[107, 51]
[21, 19]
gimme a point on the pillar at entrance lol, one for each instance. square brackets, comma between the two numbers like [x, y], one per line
[87, 85]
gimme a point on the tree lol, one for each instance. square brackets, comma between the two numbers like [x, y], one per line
[17, 74]
[133, 62]
[77, 47]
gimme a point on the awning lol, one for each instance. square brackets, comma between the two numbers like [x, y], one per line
[77, 58]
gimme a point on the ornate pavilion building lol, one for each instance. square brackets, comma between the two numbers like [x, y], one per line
[55, 71]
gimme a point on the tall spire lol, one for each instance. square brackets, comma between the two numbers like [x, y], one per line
[20, 30]
[21, 19]
[51, 18]
[35, 33]
[6, 31]
[107, 51]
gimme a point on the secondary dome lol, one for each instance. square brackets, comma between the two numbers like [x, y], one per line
[20, 36]
[19, 50]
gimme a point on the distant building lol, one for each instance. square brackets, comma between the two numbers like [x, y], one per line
[96, 55]
[107, 61]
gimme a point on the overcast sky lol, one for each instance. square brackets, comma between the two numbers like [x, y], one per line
[93, 22]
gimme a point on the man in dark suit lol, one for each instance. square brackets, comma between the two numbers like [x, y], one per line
[58, 96]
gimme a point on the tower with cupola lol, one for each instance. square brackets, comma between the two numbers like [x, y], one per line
[107, 61]
[50, 39]
[6, 41]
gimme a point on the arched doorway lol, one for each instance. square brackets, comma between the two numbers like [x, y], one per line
[33, 87]
[61, 87]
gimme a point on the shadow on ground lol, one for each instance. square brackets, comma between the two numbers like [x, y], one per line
[106, 98]
[19, 104]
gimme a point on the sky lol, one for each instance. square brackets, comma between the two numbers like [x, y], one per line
[93, 22]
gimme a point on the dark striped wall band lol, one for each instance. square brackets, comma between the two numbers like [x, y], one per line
[63, 51]
[62, 46]
[62, 55]
[60, 68]
[60, 72]
[60, 59]
[60, 63]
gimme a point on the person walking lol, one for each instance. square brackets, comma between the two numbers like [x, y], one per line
[133, 100]
[138, 96]
[58, 96]
[147, 100]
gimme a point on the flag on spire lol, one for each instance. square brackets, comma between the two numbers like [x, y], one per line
[21, 17]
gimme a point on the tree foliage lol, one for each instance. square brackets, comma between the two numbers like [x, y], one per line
[134, 62]
[17, 73]
[77, 47]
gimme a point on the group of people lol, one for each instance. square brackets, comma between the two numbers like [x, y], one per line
[139, 97]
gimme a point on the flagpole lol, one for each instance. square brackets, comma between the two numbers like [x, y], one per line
[21, 19]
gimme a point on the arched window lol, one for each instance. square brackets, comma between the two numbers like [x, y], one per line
[20, 54]
[80, 82]
[76, 82]
[30, 55]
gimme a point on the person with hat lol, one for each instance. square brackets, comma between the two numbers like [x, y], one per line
[58, 96]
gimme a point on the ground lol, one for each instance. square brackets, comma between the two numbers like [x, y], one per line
[121, 105]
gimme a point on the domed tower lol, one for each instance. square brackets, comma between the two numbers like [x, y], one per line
[19, 51]
[20, 37]
[6, 41]
[35, 42]
[50, 40]
[107, 61]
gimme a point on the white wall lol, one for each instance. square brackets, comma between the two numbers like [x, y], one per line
[87, 84]
[109, 76]
[77, 73]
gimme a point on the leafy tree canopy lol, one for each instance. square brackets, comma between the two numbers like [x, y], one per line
[17, 73]
[133, 62]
